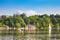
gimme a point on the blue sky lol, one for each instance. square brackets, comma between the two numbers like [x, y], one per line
[9, 7]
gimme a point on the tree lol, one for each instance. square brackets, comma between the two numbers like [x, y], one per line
[18, 25]
[0, 24]
[23, 15]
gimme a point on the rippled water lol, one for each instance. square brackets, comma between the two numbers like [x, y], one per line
[31, 37]
[55, 35]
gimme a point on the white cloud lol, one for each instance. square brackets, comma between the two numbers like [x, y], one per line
[31, 12]
[20, 11]
[28, 12]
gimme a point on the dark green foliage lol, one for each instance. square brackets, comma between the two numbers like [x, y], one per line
[40, 21]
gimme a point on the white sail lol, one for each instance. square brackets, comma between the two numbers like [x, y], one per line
[49, 31]
[49, 28]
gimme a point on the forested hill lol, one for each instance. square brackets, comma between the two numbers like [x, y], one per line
[22, 20]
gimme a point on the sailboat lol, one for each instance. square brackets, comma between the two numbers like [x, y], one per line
[49, 32]
[49, 28]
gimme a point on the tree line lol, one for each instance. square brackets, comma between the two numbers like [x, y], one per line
[40, 21]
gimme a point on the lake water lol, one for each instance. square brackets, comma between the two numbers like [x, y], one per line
[43, 35]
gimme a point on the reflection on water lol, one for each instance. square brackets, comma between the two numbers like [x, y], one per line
[30, 37]
[6, 37]
[39, 36]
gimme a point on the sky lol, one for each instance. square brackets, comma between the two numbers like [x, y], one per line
[30, 7]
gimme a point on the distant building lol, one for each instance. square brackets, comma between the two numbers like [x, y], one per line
[2, 28]
[30, 29]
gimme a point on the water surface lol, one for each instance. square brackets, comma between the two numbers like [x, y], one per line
[43, 35]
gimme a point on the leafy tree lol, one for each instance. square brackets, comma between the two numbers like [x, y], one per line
[0, 24]
[18, 25]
